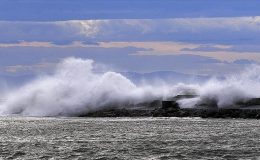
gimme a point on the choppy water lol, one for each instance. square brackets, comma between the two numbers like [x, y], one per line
[128, 138]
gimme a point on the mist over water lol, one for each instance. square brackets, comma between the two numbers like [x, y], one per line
[237, 87]
[75, 87]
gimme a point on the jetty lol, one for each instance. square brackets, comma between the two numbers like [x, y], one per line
[170, 108]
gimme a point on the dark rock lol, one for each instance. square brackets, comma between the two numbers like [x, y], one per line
[179, 97]
[170, 104]
[207, 103]
[207, 108]
[250, 102]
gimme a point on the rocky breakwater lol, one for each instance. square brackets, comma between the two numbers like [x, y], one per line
[170, 108]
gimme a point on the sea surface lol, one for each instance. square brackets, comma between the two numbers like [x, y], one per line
[128, 138]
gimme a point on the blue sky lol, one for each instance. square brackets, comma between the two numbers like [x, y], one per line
[201, 37]
[56, 10]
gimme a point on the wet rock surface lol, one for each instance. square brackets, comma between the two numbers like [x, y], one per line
[170, 108]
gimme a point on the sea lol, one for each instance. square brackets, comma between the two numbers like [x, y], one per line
[128, 138]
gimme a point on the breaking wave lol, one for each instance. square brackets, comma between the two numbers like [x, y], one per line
[75, 88]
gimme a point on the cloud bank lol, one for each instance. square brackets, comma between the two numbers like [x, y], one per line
[229, 30]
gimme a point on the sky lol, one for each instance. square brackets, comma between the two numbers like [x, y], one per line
[201, 37]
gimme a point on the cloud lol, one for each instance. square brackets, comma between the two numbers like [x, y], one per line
[48, 44]
[121, 59]
[226, 53]
[231, 30]
[28, 68]
[87, 28]
[179, 44]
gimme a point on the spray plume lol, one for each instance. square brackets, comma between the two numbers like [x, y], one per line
[74, 88]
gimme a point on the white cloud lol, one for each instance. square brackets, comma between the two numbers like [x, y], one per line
[88, 28]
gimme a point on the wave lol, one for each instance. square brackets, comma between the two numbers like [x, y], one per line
[75, 88]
